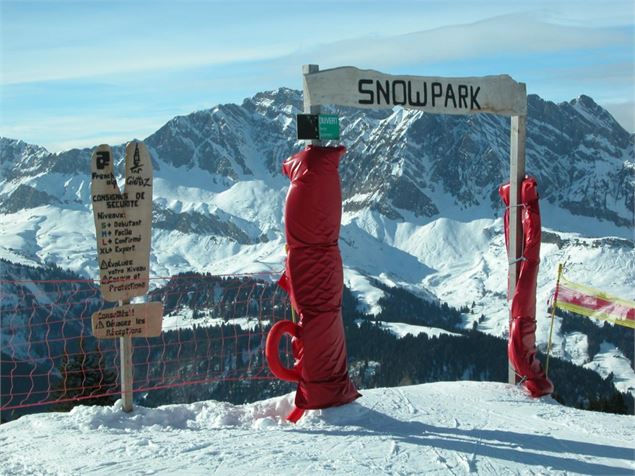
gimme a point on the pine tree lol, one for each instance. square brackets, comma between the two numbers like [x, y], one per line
[85, 381]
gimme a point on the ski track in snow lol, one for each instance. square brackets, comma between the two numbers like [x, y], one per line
[440, 428]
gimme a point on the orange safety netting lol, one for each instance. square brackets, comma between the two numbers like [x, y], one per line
[214, 330]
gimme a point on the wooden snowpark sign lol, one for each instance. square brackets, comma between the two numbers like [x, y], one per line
[349, 86]
[123, 230]
[500, 95]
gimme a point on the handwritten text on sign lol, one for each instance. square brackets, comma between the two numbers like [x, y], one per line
[123, 222]
[348, 86]
[134, 320]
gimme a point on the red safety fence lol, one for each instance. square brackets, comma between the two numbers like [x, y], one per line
[214, 330]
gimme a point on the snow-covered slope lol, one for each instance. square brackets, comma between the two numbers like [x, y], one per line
[420, 204]
[439, 428]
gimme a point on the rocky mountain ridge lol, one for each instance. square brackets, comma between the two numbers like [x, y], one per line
[397, 161]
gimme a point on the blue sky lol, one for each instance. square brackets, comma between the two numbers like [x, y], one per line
[81, 73]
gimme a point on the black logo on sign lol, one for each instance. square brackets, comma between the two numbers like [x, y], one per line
[308, 126]
[136, 161]
[103, 159]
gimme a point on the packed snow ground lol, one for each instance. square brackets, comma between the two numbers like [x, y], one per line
[443, 428]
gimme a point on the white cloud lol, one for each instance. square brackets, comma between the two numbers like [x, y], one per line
[83, 130]
[518, 33]
[624, 113]
[80, 62]
[510, 34]
[154, 73]
[589, 12]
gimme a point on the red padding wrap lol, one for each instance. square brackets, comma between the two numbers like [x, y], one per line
[314, 278]
[522, 337]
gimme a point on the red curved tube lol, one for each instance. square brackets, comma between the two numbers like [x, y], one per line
[271, 351]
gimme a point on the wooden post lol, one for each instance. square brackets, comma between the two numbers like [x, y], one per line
[125, 349]
[517, 174]
[308, 107]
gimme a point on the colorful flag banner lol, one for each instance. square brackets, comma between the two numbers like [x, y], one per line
[590, 302]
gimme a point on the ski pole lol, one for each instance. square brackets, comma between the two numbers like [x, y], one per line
[553, 315]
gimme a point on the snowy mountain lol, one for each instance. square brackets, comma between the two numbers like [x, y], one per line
[420, 202]
[445, 428]
[397, 161]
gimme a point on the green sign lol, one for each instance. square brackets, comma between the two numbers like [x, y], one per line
[329, 126]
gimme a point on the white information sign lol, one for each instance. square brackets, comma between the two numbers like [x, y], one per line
[123, 222]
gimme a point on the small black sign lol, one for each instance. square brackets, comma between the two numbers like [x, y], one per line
[136, 161]
[103, 159]
[308, 127]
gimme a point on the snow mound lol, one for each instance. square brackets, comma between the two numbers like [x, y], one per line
[446, 427]
[208, 415]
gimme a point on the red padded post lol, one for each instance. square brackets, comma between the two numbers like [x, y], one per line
[521, 348]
